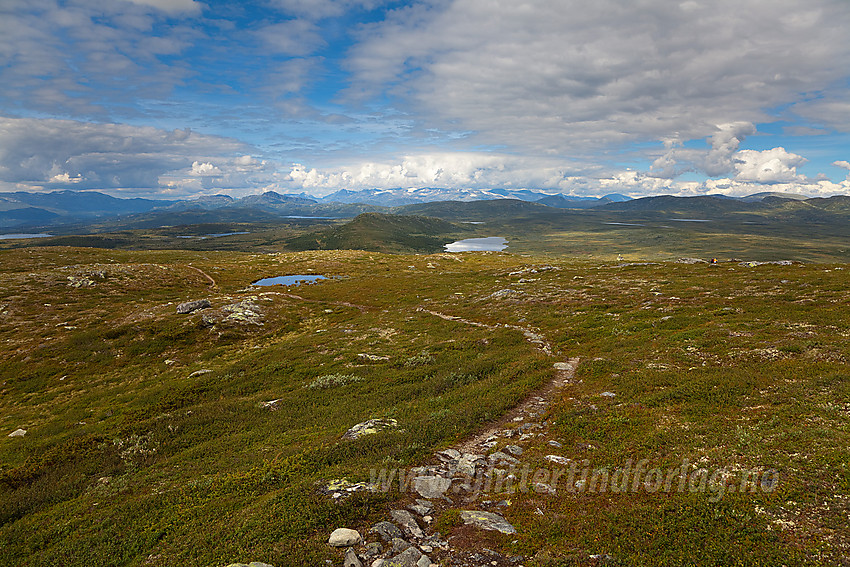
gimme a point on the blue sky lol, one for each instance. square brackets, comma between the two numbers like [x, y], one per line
[178, 98]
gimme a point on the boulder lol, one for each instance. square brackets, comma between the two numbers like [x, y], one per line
[344, 537]
[191, 306]
[487, 521]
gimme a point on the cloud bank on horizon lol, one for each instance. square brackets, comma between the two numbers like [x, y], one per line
[181, 97]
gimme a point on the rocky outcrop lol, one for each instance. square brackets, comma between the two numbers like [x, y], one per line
[192, 306]
[369, 427]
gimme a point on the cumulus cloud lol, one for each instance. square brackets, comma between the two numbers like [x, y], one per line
[438, 169]
[769, 166]
[204, 169]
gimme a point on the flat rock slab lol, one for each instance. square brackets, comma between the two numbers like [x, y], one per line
[369, 427]
[487, 521]
[407, 522]
[431, 486]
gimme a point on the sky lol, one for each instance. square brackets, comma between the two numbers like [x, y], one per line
[183, 98]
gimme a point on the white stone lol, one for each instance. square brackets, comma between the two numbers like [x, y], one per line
[344, 537]
[18, 433]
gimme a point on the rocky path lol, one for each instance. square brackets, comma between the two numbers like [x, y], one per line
[469, 482]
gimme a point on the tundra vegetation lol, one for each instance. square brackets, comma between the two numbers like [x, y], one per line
[158, 438]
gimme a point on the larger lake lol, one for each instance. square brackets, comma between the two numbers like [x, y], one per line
[24, 235]
[488, 244]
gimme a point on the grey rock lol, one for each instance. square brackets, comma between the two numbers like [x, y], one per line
[372, 550]
[387, 531]
[418, 509]
[407, 522]
[449, 454]
[259, 564]
[500, 458]
[514, 450]
[487, 521]
[431, 486]
[407, 558]
[191, 306]
[369, 427]
[555, 444]
[399, 545]
[608, 394]
[424, 561]
[425, 504]
[18, 433]
[344, 537]
[351, 559]
[378, 563]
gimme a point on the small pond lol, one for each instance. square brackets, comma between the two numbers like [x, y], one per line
[289, 280]
[24, 235]
[488, 244]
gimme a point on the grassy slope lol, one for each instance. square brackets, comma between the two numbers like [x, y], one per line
[129, 460]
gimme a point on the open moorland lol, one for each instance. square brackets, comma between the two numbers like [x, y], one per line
[616, 412]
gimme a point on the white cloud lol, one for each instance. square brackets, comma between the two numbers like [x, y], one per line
[769, 166]
[570, 77]
[204, 169]
[172, 6]
[842, 163]
[293, 37]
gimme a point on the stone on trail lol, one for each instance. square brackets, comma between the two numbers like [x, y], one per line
[431, 486]
[407, 522]
[514, 450]
[191, 306]
[369, 427]
[387, 531]
[487, 521]
[344, 537]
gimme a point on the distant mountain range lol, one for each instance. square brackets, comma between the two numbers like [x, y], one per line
[21, 210]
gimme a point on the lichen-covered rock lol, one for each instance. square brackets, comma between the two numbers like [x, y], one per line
[407, 558]
[487, 521]
[369, 427]
[192, 306]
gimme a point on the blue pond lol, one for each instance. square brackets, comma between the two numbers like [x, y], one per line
[289, 280]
